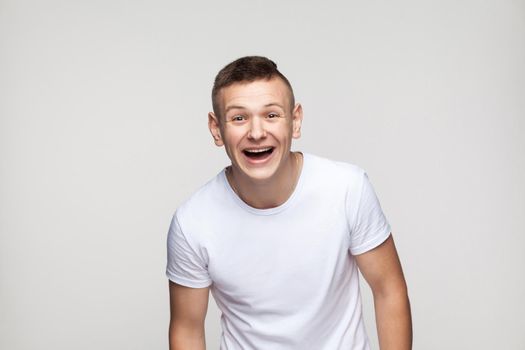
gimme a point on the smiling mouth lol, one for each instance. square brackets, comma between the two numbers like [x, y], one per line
[258, 153]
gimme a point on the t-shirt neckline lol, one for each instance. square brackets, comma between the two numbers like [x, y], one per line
[268, 211]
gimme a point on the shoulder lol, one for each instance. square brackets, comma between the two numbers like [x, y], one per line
[205, 200]
[335, 171]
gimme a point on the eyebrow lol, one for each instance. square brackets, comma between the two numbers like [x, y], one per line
[233, 107]
[272, 104]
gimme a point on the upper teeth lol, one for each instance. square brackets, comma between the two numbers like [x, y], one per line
[259, 150]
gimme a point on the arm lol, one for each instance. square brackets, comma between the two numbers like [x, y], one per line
[382, 270]
[188, 307]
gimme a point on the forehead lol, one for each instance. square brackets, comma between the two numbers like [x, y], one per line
[255, 94]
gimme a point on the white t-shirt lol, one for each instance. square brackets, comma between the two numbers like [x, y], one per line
[285, 277]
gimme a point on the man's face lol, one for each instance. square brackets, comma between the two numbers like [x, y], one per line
[256, 126]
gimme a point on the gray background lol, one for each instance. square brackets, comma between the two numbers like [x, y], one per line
[103, 133]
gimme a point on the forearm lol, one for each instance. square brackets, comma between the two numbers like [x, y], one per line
[181, 338]
[394, 321]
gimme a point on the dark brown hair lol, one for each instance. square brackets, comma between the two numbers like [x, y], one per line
[245, 70]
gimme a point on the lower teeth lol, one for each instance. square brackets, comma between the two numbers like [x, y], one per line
[258, 154]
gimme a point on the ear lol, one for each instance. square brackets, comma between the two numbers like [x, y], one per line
[297, 120]
[215, 130]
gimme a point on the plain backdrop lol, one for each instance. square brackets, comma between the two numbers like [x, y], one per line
[103, 133]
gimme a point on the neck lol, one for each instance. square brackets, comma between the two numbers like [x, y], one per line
[270, 193]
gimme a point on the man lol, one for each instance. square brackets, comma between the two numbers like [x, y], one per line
[278, 236]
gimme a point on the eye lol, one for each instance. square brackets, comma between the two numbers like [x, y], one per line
[273, 115]
[238, 118]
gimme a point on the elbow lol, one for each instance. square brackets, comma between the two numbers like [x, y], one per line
[183, 338]
[395, 290]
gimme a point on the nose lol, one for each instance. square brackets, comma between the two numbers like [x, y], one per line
[257, 129]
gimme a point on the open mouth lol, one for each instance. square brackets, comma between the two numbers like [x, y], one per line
[258, 153]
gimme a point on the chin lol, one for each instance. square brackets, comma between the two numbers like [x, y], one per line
[260, 175]
[260, 170]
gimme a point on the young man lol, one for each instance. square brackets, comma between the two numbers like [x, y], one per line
[278, 236]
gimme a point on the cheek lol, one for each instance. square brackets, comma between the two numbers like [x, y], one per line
[233, 137]
[283, 131]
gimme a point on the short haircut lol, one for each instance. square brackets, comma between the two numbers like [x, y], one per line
[246, 70]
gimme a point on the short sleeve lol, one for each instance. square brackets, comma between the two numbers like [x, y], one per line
[185, 265]
[368, 224]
